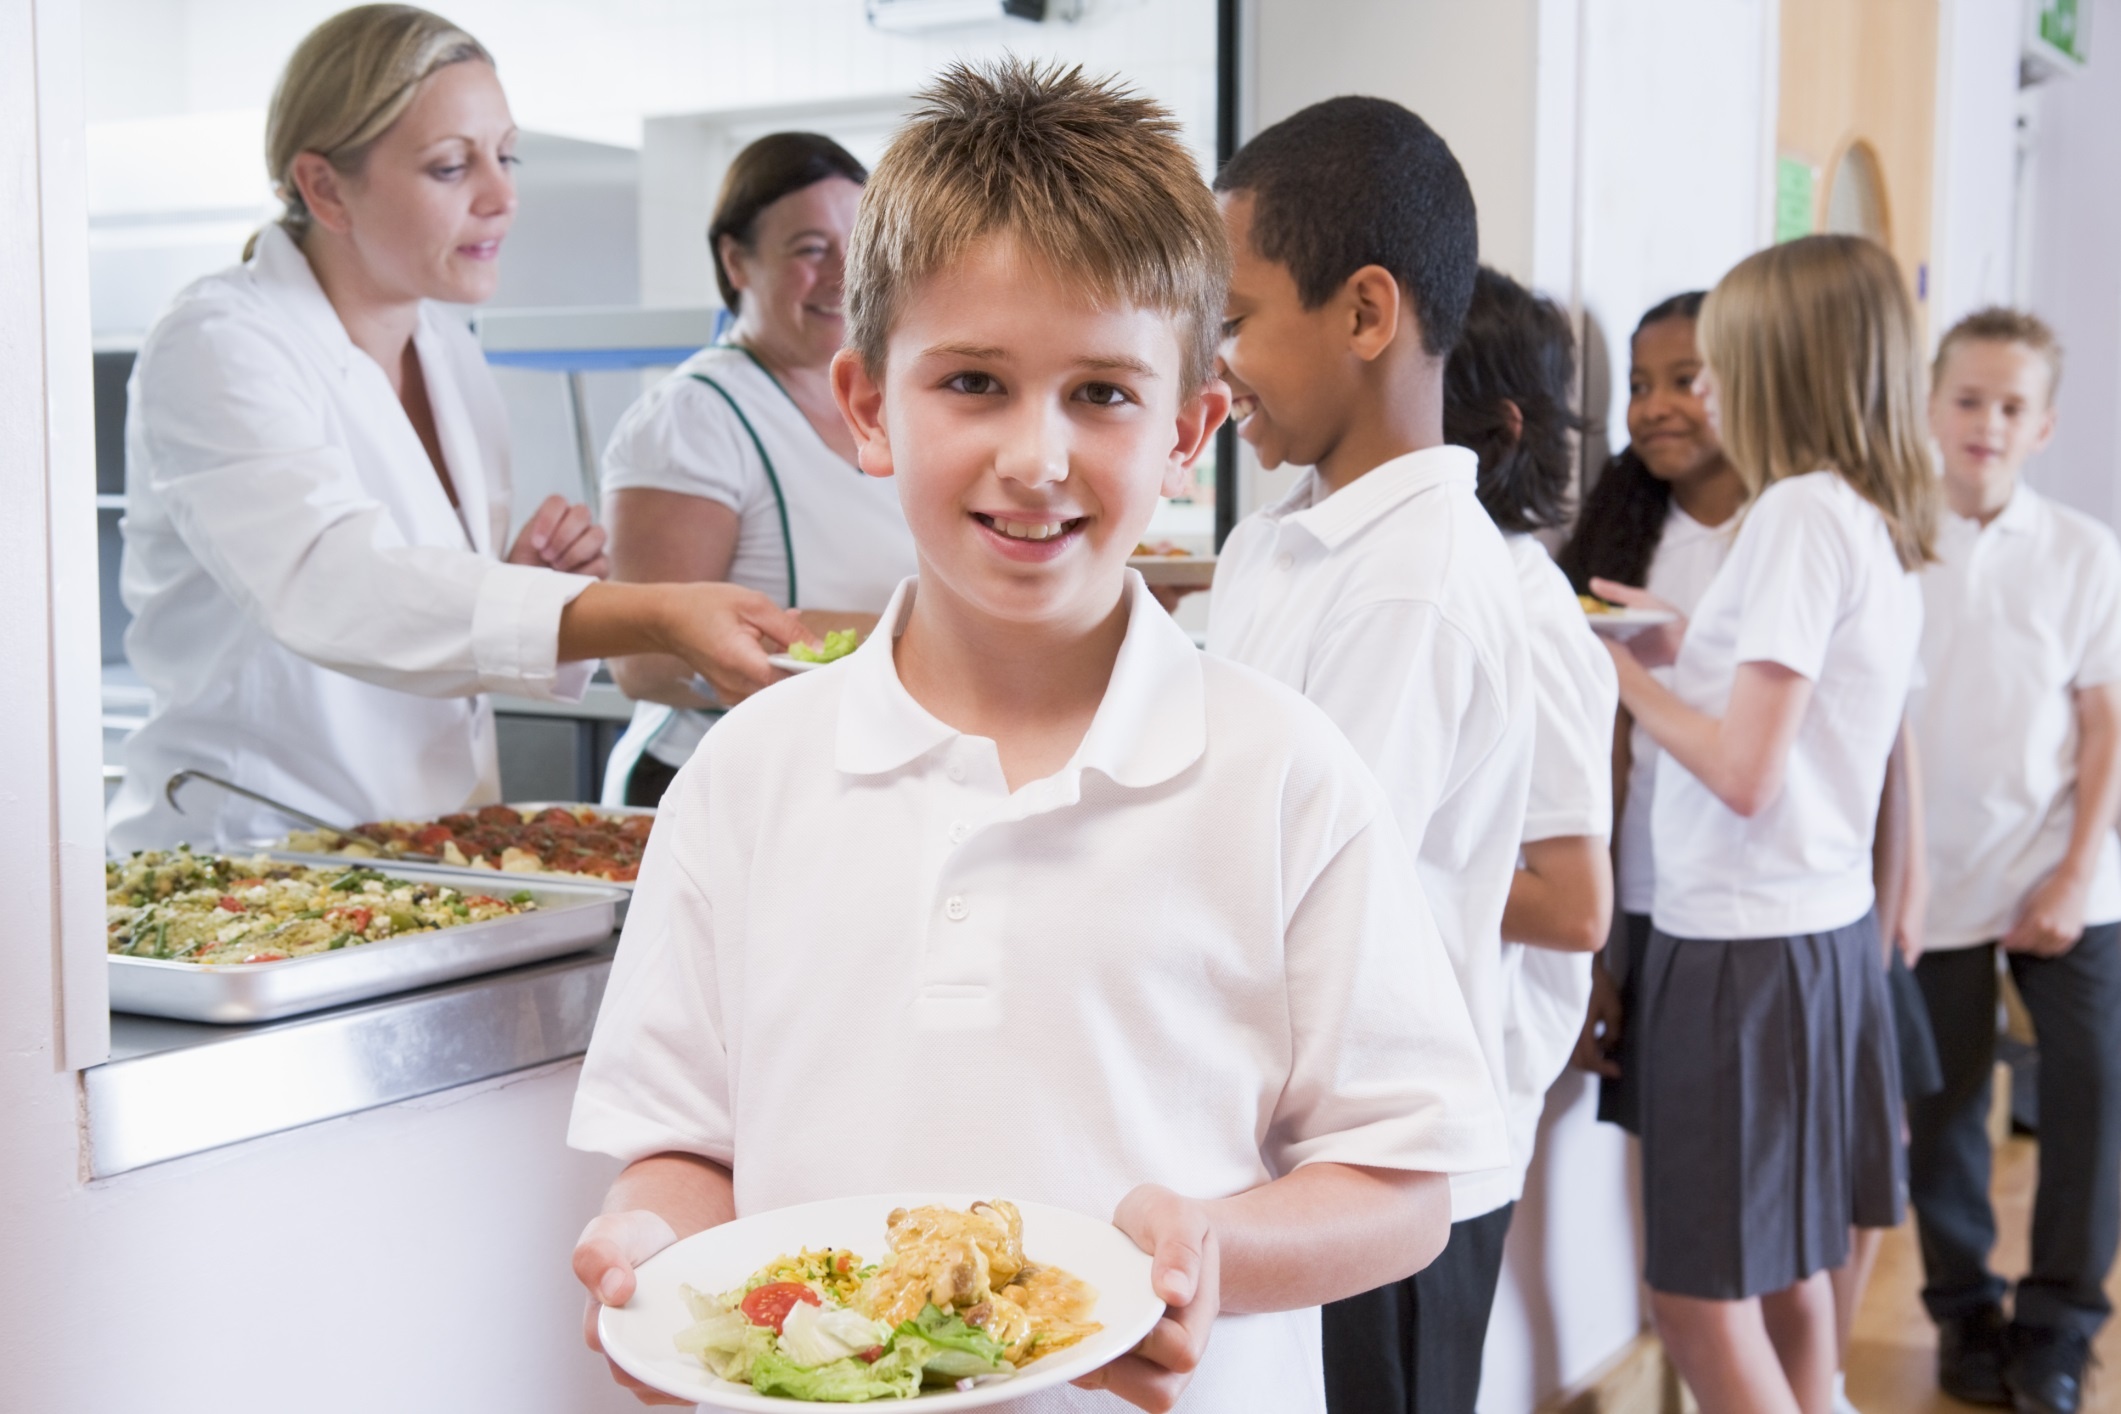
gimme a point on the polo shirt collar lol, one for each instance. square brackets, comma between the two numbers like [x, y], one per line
[1336, 518]
[284, 275]
[1151, 725]
[2020, 514]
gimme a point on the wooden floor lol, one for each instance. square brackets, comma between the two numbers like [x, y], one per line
[1892, 1364]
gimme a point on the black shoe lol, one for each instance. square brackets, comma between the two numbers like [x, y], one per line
[2045, 1372]
[1970, 1355]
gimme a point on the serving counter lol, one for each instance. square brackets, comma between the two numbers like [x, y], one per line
[173, 1088]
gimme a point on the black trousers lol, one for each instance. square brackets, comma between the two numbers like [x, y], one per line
[1414, 1347]
[2075, 1002]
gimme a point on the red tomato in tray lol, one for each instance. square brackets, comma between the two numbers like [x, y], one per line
[231, 903]
[770, 1304]
[354, 917]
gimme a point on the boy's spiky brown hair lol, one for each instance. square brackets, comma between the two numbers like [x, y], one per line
[1086, 175]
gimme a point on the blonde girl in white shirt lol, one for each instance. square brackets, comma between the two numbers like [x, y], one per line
[1764, 1041]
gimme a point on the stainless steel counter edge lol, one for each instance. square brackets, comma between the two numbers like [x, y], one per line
[178, 1088]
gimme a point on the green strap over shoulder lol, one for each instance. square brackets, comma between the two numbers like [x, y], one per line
[780, 502]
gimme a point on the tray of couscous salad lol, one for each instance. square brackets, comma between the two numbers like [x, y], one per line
[242, 938]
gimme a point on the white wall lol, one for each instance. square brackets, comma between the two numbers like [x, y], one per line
[1677, 121]
[2075, 228]
[1973, 228]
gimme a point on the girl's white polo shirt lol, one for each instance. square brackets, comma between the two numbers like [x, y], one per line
[1575, 691]
[857, 963]
[1688, 556]
[1812, 583]
[2018, 616]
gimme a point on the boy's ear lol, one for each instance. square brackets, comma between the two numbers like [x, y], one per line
[2046, 434]
[1198, 418]
[861, 400]
[1375, 311]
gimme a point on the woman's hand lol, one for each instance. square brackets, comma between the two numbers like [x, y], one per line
[1653, 647]
[605, 1256]
[1599, 1043]
[723, 632]
[562, 537]
[1187, 1274]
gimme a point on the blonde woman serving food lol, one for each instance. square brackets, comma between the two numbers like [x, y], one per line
[738, 466]
[316, 540]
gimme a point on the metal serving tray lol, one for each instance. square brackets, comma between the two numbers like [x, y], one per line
[624, 886]
[570, 916]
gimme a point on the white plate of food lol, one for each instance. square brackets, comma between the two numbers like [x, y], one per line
[1170, 568]
[837, 1302]
[1618, 621]
[802, 658]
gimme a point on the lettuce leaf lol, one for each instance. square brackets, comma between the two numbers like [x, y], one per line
[851, 1381]
[960, 1350]
[726, 1344]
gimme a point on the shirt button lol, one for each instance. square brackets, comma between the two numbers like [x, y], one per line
[955, 910]
[960, 832]
[955, 771]
[1285, 563]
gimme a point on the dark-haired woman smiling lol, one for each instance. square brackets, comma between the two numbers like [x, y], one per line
[738, 466]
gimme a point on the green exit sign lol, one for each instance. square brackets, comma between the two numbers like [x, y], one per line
[2062, 25]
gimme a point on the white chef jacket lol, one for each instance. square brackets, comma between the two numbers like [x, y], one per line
[1394, 605]
[1688, 556]
[314, 618]
[1812, 583]
[856, 962]
[2017, 616]
[1546, 992]
[845, 531]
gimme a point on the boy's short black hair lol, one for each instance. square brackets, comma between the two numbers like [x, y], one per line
[1361, 181]
[1517, 350]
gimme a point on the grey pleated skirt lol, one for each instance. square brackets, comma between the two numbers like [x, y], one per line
[1768, 1093]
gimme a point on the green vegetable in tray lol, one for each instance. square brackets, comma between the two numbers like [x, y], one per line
[839, 643]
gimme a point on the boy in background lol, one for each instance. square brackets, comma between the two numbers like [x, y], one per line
[1382, 591]
[1028, 897]
[2019, 729]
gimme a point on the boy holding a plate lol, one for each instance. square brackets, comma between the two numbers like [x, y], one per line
[1027, 896]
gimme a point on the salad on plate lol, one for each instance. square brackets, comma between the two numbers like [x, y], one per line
[954, 1303]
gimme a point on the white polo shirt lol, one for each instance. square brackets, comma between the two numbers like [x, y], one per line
[807, 518]
[1394, 605]
[1575, 692]
[2017, 616]
[856, 962]
[1688, 556]
[1812, 583]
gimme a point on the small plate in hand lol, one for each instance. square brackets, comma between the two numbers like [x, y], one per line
[1626, 623]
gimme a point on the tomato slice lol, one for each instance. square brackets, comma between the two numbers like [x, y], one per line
[231, 903]
[770, 1304]
[353, 916]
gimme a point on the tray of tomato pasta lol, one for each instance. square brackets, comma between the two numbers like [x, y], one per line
[600, 842]
[234, 938]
